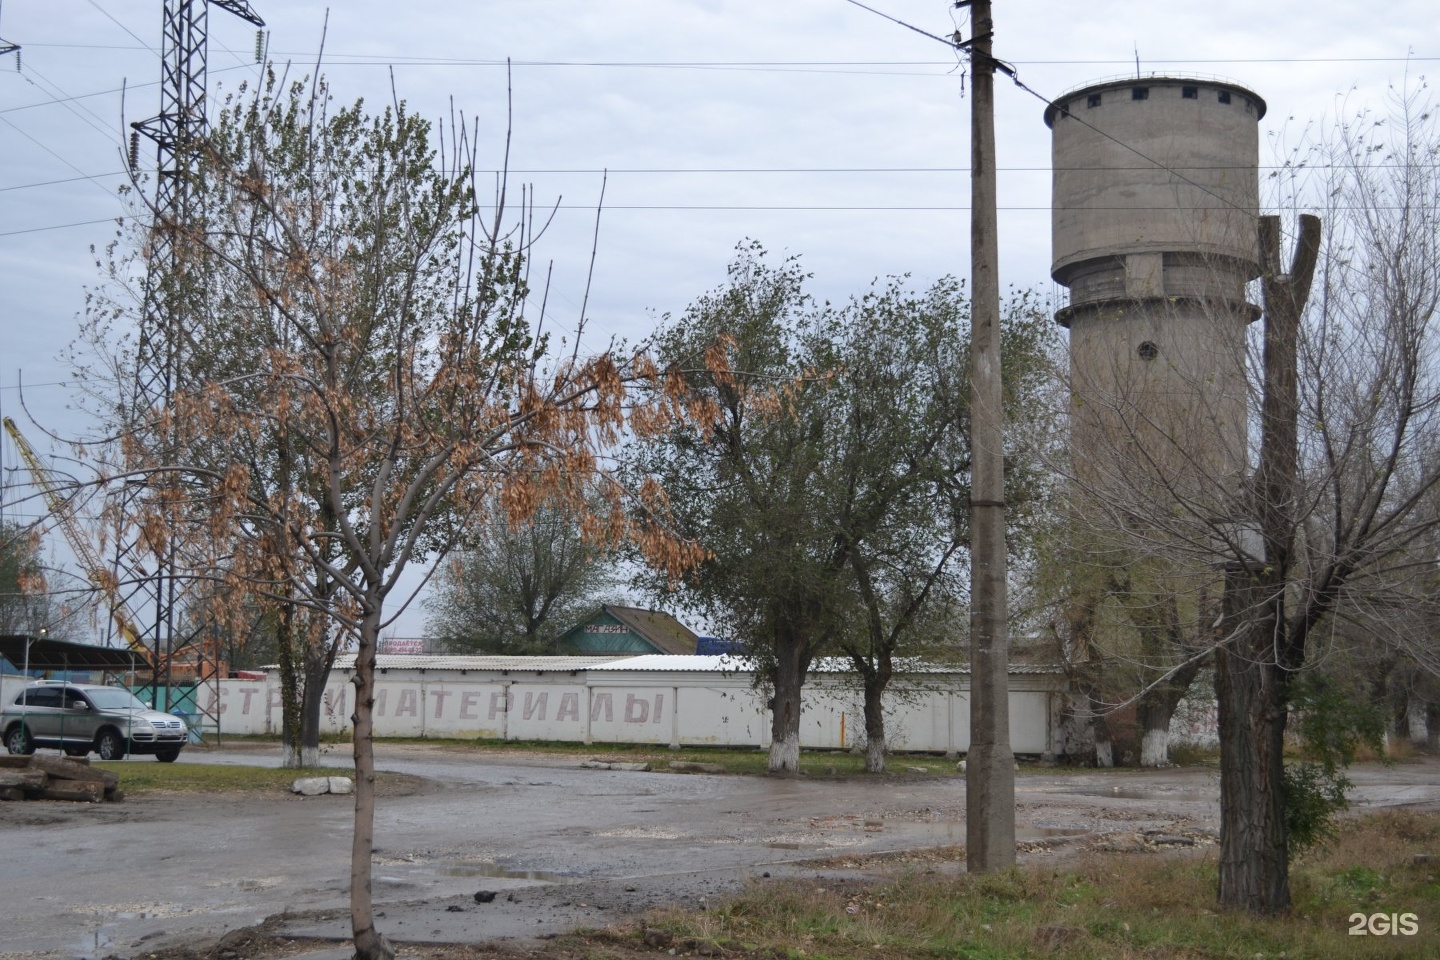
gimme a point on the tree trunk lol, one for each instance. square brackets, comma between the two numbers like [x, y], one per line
[1154, 711]
[291, 688]
[790, 666]
[1157, 708]
[317, 671]
[1155, 738]
[320, 653]
[875, 745]
[369, 943]
[1415, 721]
[1100, 723]
[286, 643]
[1432, 726]
[1104, 750]
[1250, 690]
[1254, 665]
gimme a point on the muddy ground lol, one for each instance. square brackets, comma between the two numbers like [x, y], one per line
[560, 846]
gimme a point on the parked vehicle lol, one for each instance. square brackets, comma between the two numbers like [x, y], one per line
[79, 718]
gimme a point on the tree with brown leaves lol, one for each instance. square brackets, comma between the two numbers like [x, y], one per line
[367, 379]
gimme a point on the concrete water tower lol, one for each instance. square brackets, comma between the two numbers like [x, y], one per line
[1155, 203]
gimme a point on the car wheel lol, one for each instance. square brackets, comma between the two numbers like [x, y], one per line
[110, 745]
[169, 755]
[17, 740]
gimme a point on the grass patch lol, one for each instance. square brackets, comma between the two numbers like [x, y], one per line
[1101, 907]
[737, 760]
[1194, 755]
[137, 779]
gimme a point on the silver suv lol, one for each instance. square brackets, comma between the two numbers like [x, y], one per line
[78, 718]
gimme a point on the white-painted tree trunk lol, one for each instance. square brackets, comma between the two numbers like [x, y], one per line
[1104, 753]
[875, 755]
[785, 754]
[1155, 748]
[1419, 728]
[310, 756]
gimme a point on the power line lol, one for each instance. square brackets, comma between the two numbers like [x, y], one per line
[30, 74]
[143, 44]
[83, 175]
[711, 171]
[102, 93]
[368, 59]
[907, 26]
[772, 208]
[62, 180]
[1009, 70]
[59, 226]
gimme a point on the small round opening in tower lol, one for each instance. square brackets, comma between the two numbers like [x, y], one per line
[1147, 350]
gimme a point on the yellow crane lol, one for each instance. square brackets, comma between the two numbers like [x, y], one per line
[84, 551]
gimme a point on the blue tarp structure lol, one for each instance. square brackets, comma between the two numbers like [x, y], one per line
[718, 646]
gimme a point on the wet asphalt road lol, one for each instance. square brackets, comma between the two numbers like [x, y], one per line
[560, 845]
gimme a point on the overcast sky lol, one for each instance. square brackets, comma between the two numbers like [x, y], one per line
[814, 126]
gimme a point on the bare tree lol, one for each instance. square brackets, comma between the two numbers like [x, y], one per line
[1337, 521]
[1343, 498]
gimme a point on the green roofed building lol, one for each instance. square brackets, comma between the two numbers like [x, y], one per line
[628, 630]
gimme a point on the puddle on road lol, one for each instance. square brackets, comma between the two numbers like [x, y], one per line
[1140, 793]
[495, 870]
[95, 946]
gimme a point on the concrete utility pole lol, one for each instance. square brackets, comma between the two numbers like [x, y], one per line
[990, 764]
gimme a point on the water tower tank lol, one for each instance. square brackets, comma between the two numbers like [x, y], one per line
[1155, 208]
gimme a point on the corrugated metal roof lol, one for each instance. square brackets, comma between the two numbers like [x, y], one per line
[656, 662]
[43, 653]
[674, 663]
[725, 663]
[397, 661]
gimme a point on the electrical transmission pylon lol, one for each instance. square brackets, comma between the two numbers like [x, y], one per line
[172, 311]
[7, 47]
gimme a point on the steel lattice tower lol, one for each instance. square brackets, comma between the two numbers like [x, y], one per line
[169, 317]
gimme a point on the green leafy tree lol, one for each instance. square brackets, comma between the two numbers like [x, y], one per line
[514, 588]
[743, 481]
[899, 464]
[830, 486]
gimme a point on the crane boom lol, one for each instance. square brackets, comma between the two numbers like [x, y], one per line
[94, 569]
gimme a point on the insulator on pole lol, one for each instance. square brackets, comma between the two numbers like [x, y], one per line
[259, 46]
[134, 150]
